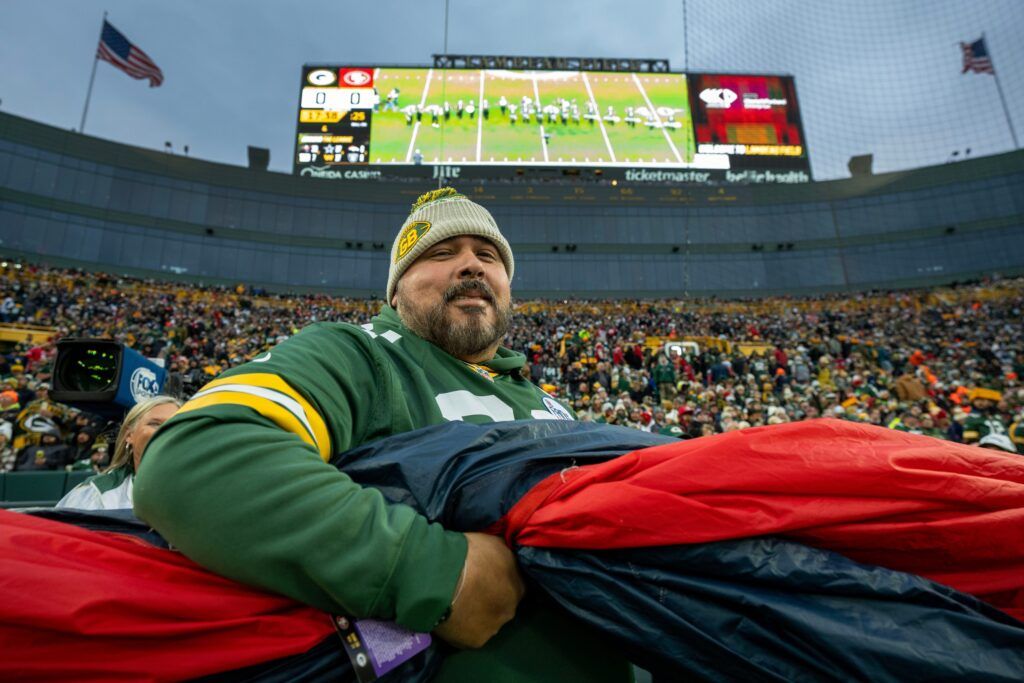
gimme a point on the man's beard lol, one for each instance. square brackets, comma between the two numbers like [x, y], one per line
[460, 339]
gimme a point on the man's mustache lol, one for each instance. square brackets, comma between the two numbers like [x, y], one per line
[469, 288]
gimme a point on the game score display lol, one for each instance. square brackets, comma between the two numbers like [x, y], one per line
[335, 110]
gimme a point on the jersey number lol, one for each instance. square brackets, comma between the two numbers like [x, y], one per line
[458, 405]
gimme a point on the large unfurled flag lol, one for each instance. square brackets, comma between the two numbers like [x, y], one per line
[120, 52]
[976, 58]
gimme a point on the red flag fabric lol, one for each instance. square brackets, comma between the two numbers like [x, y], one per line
[946, 511]
[87, 606]
[93, 606]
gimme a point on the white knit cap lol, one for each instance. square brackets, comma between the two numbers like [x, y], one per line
[437, 216]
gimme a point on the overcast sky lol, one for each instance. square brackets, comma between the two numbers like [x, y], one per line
[879, 76]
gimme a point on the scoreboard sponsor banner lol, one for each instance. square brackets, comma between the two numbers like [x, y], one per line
[747, 116]
[398, 119]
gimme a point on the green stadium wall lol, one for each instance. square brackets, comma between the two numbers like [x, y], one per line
[73, 200]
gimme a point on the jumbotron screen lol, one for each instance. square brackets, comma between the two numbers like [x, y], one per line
[471, 117]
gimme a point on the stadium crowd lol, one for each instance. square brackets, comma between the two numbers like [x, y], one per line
[943, 362]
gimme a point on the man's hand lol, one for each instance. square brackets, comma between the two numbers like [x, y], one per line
[488, 592]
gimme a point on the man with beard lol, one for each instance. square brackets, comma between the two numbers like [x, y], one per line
[238, 479]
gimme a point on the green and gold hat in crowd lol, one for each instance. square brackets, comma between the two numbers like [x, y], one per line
[983, 392]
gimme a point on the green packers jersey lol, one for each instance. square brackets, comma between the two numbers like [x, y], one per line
[1017, 435]
[111, 490]
[239, 480]
[977, 427]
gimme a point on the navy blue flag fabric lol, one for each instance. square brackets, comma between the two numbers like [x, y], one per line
[752, 609]
[761, 609]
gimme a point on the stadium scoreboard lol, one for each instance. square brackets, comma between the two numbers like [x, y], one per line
[335, 107]
[732, 128]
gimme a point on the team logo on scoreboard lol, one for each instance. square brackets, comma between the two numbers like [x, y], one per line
[321, 77]
[410, 236]
[718, 98]
[357, 78]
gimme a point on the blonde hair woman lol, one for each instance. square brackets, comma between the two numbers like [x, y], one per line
[112, 490]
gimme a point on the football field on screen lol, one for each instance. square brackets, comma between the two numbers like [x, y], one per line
[531, 117]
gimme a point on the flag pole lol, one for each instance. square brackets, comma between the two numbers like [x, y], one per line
[92, 78]
[444, 97]
[1002, 98]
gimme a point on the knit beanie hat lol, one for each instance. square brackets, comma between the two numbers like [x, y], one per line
[982, 392]
[437, 216]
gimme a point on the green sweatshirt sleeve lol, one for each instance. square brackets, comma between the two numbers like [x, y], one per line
[239, 483]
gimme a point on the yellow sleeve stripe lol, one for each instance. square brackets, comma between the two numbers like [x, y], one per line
[280, 416]
[270, 381]
[272, 397]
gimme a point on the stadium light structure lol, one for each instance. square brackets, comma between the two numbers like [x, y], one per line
[550, 63]
[860, 165]
[259, 158]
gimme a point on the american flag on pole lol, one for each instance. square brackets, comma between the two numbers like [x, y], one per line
[119, 51]
[976, 58]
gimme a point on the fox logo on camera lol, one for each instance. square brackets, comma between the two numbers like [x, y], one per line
[143, 384]
[103, 376]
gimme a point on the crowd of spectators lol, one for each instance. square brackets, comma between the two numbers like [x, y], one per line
[945, 362]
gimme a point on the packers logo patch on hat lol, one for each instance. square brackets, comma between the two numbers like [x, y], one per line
[410, 236]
